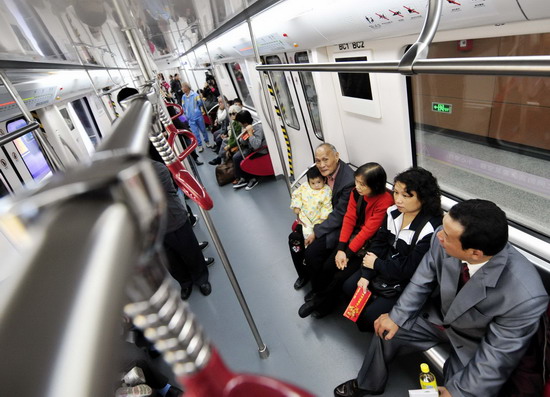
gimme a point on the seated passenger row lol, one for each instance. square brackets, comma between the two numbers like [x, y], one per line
[453, 280]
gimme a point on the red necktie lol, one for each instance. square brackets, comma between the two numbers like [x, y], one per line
[464, 276]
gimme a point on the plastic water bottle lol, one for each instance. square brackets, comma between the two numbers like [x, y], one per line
[427, 379]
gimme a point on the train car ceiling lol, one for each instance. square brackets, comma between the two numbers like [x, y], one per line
[44, 88]
[295, 24]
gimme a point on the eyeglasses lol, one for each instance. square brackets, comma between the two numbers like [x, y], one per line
[232, 114]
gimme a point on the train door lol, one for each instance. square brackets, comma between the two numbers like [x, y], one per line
[285, 98]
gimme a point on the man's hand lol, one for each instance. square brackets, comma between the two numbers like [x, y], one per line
[309, 239]
[368, 260]
[385, 327]
[341, 260]
[363, 283]
[443, 392]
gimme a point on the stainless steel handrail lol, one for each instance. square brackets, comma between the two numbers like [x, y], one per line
[131, 131]
[61, 306]
[419, 50]
[496, 66]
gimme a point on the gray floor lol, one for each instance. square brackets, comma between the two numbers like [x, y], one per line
[314, 354]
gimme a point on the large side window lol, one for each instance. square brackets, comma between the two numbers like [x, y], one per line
[312, 101]
[236, 72]
[283, 94]
[488, 136]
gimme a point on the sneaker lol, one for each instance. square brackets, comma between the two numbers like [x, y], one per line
[241, 183]
[198, 162]
[135, 391]
[208, 145]
[235, 181]
[201, 149]
[252, 184]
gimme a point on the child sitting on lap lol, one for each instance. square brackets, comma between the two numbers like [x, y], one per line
[311, 202]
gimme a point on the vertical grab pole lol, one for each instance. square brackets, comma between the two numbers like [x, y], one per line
[159, 141]
[55, 161]
[163, 148]
[269, 113]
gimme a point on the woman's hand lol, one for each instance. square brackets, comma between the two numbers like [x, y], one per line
[341, 260]
[249, 129]
[363, 283]
[296, 210]
[368, 260]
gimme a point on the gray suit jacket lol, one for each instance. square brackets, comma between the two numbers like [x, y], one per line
[343, 184]
[489, 322]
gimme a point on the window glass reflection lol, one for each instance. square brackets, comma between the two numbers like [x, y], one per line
[312, 102]
[282, 91]
[488, 136]
[240, 83]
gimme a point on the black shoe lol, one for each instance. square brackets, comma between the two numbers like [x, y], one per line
[208, 261]
[306, 309]
[203, 244]
[216, 161]
[309, 296]
[205, 288]
[350, 389]
[198, 162]
[195, 220]
[300, 282]
[186, 293]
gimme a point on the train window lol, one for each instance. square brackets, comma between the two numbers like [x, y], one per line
[83, 111]
[240, 84]
[308, 86]
[282, 91]
[355, 85]
[30, 151]
[488, 136]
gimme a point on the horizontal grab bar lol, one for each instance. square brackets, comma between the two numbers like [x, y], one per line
[499, 66]
[12, 136]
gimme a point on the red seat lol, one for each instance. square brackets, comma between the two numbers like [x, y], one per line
[258, 163]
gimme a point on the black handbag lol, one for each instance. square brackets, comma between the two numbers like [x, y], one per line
[384, 288]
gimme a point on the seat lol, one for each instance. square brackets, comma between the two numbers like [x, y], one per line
[258, 164]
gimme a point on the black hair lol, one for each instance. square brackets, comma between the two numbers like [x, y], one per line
[374, 176]
[238, 100]
[125, 93]
[485, 225]
[244, 116]
[424, 184]
[313, 173]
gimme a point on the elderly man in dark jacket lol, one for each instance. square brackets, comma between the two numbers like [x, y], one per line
[324, 238]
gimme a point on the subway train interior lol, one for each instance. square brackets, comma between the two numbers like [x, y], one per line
[458, 87]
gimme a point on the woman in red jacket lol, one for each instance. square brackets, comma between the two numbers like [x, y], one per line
[366, 211]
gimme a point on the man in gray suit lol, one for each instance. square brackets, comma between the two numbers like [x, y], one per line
[472, 290]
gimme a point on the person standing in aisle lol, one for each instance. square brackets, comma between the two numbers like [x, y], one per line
[175, 86]
[193, 108]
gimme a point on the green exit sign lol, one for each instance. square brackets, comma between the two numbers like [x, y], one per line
[442, 107]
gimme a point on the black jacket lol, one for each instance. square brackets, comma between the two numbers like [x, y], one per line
[331, 226]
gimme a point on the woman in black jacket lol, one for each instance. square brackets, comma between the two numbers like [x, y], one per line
[399, 245]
